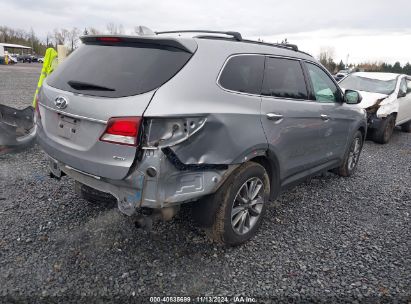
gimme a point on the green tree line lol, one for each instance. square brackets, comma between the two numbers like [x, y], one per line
[326, 59]
[26, 38]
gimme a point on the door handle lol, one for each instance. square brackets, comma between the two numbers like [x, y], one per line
[324, 117]
[273, 116]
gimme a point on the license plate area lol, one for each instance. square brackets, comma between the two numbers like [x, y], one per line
[67, 126]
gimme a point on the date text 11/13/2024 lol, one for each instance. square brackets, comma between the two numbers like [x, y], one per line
[204, 299]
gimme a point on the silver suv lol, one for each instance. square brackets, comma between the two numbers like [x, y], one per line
[216, 120]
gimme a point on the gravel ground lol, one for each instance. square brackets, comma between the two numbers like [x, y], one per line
[18, 83]
[329, 239]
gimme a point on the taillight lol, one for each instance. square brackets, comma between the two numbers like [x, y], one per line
[109, 39]
[122, 130]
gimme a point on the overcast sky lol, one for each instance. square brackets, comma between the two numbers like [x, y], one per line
[367, 30]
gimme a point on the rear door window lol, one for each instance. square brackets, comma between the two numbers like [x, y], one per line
[243, 73]
[284, 78]
[119, 70]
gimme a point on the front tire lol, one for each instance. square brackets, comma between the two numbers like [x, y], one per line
[383, 134]
[239, 205]
[352, 156]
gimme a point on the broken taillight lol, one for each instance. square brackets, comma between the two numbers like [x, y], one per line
[122, 130]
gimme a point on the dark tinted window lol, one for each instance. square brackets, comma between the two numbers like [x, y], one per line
[284, 78]
[324, 88]
[243, 74]
[117, 71]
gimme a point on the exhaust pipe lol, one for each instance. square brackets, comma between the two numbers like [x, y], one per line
[146, 221]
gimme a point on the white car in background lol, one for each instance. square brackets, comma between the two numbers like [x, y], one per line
[387, 99]
[341, 74]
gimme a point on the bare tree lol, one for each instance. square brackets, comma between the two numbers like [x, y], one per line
[93, 31]
[32, 37]
[3, 34]
[326, 58]
[49, 39]
[65, 35]
[73, 37]
[115, 29]
[111, 28]
[60, 36]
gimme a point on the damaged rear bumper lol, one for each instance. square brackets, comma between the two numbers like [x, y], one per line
[17, 130]
[158, 181]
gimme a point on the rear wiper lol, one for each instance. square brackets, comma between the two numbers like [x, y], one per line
[78, 85]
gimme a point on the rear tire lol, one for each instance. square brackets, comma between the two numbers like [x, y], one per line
[383, 134]
[406, 127]
[237, 209]
[351, 156]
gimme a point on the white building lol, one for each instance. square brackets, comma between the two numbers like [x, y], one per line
[9, 48]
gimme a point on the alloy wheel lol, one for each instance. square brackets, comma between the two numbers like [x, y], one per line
[247, 206]
[354, 153]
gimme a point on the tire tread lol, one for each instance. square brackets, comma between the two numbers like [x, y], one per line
[216, 231]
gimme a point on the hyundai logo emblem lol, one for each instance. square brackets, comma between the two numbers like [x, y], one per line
[61, 102]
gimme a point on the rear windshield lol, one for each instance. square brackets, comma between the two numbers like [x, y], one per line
[359, 83]
[118, 71]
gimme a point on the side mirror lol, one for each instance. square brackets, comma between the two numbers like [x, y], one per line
[352, 97]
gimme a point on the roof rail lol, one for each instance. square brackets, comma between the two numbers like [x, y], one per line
[236, 35]
[293, 47]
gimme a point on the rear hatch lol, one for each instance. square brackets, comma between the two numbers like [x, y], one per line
[107, 80]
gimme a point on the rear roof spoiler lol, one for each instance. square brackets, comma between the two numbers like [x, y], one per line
[236, 35]
[184, 44]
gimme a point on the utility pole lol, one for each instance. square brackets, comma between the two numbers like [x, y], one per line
[346, 63]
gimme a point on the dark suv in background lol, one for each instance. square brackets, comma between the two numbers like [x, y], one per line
[214, 119]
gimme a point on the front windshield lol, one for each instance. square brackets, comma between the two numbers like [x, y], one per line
[359, 83]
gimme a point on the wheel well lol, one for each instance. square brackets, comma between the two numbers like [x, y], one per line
[395, 114]
[273, 174]
[362, 130]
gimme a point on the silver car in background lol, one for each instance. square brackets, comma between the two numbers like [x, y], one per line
[214, 119]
